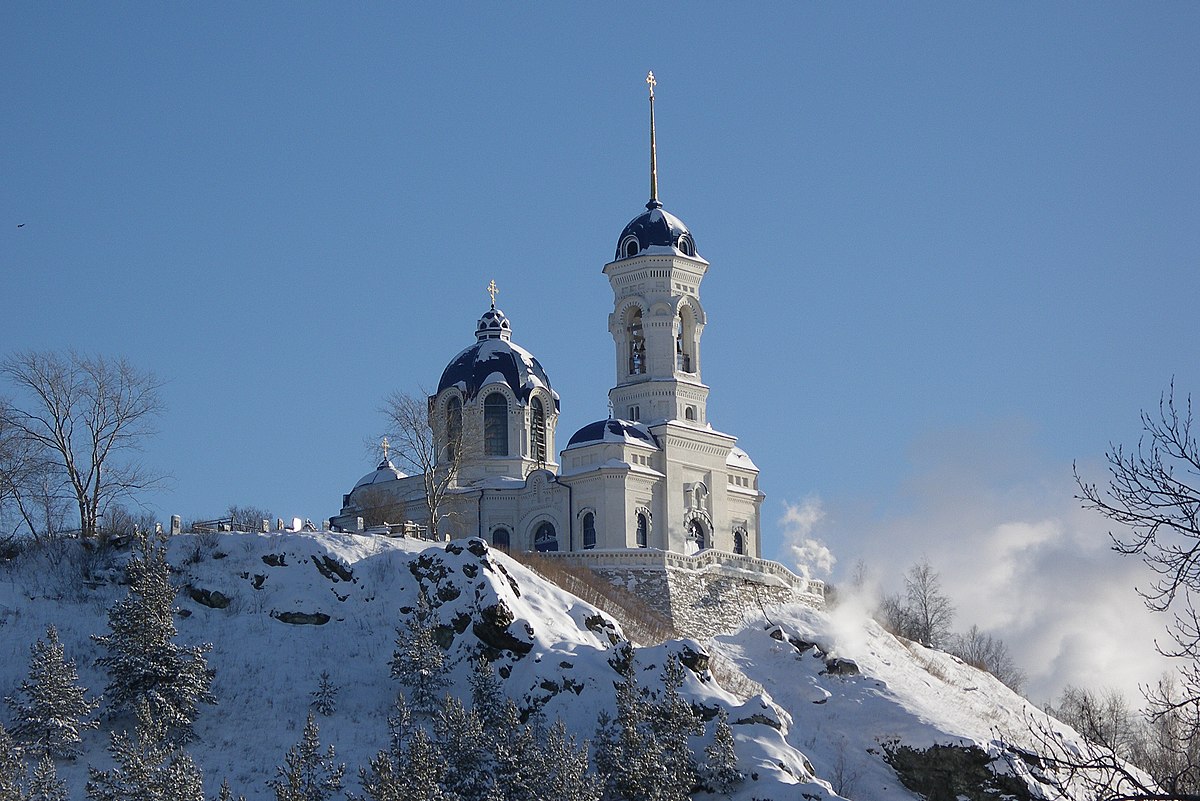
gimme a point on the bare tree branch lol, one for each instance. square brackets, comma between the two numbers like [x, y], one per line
[80, 413]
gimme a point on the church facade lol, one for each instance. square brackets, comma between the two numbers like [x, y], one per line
[655, 475]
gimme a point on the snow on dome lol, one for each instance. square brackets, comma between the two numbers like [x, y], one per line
[386, 471]
[655, 230]
[495, 358]
[618, 431]
[739, 458]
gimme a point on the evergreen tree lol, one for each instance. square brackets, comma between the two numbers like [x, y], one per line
[720, 773]
[50, 706]
[143, 661]
[487, 696]
[418, 661]
[45, 784]
[628, 754]
[413, 770]
[566, 777]
[324, 698]
[149, 766]
[226, 794]
[460, 739]
[306, 774]
[673, 722]
[12, 768]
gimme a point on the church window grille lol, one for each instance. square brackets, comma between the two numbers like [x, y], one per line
[453, 427]
[545, 538]
[501, 538]
[643, 530]
[538, 414]
[495, 425]
[589, 531]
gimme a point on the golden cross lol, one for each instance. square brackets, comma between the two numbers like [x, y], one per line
[384, 444]
[491, 290]
[651, 82]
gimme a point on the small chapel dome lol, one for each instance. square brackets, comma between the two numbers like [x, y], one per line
[495, 358]
[386, 471]
[655, 230]
[618, 431]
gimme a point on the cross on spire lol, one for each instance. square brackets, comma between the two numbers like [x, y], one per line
[384, 445]
[493, 291]
[654, 203]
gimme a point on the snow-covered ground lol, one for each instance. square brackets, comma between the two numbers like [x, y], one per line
[816, 699]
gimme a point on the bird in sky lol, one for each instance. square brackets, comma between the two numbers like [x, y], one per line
[20, 225]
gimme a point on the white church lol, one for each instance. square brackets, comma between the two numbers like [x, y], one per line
[656, 475]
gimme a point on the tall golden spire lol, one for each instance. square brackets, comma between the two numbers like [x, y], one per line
[654, 202]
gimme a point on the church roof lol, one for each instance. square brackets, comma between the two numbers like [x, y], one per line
[618, 431]
[493, 359]
[386, 471]
[655, 230]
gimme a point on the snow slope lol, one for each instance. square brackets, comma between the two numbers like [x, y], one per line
[805, 721]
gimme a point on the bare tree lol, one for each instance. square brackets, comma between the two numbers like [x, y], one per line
[380, 507]
[85, 415]
[1153, 492]
[247, 518]
[983, 651]
[924, 613]
[422, 452]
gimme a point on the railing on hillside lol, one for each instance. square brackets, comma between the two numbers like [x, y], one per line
[640, 624]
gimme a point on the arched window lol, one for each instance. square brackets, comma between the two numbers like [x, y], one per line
[495, 425]
[637, 343]
[739, 541]
[696, 539]
[689, 413]
[545, 538]
[589, 531]
[643, 530]
[631, 247]
[453, 428]
[683, 345]
[537, 416]
[501, 538]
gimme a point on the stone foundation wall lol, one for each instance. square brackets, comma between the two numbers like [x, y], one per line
[714, 597]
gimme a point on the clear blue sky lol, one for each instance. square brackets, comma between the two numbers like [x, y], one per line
[968, 229]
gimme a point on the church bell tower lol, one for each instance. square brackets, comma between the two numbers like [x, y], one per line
[657, 318]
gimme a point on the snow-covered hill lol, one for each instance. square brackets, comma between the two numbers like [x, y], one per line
[822, 704]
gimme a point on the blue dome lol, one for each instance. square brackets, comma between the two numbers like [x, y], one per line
[621, 431]
[495, 358]
[655, 228]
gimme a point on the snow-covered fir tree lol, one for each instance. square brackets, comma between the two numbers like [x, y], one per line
[44, 784]
[226, 794]
[674, 722]
[567, 777]
[12, 768]
[411, 769]
[628, 753]
[306, 774]
[324, 698]
[149, 766]
[469, 763]
[50, 706]
[418, 661]
[142, 659]
[720, 773]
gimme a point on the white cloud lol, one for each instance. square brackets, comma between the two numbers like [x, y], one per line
[1016, 554]
[807, 553]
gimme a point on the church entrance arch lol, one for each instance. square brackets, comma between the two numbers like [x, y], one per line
[545, 538]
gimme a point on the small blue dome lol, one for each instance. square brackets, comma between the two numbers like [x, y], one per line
[655, 228]
[621, 431]
[495, 357]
